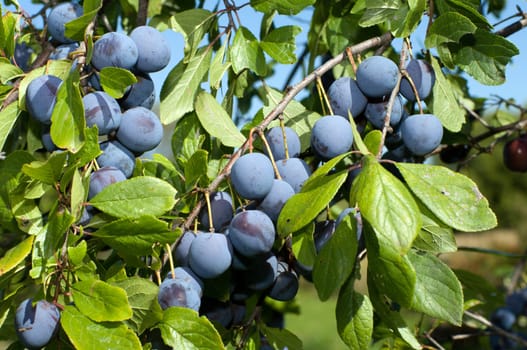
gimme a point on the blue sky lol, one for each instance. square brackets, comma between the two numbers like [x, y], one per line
[513, 88]
[516, 71]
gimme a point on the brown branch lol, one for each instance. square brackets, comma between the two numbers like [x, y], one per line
[495, 328]
[514, 27]
[142, 13]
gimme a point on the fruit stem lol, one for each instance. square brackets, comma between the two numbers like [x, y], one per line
[269, 153]
[286, 148]
[170, 260]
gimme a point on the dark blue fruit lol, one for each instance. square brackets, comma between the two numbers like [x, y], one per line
[294, 171]
[59, 16]
[185, 273]
[22, 55]
[102, 178]
[376, 112]
[423, 77]
[324, 230]
[209, 255]
[275, 139]
[41, 95]
[252, 233]
[114, 50]
[180, 291]
[102, 110]
[261, 273]
[217, 311]
[377, 76]
[286, 284]
[140, 94]
[140, 130]
[114, 154]
[345, 96]
[221, 210]
[331, 136]
[273, 203]
[252, 175]
[47, 142]
[504, 318]
[36, 325]
[183, 247]
[358, 218]
[62, 52]
[421, 133]
[152, 47]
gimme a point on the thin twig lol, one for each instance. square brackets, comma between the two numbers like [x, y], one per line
[495, 328]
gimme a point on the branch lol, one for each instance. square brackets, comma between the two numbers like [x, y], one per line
[495, 328]
[277, 111]
[142, 13]
[514, 27]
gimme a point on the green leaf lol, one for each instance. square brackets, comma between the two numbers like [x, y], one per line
[285, 7]
[76, 28]
[468, 8]
[10, 23]
[196, 168]
[438, 292]
[181, 86]
[390, 315]
[304, 246]
[136, 236]
[280, 44]
[246, 53]
[316, 193]
[295, 115]
[78, 194]
[8, 71]
[280, 338]
[413, 12]
[101, 301]
[142, 297]
[183, 328]
[434, 236]
[135, 197]
[387, 205]
[445, 105]
[60, 221]
[373, 141]
[116, 80]
[187, 138]
[218, 67]
[485, 56]
[335, 262]
[216, 121]
[448, 28]
[452, 197]
[389, 13]
[88, 335]
[391, 272]
[193, 25]
[354, 313]
[48, 171]
[8, 117]
[16, 255]
[67, 120]
[89, 150]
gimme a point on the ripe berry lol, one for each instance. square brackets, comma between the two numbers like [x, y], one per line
[515, 154]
